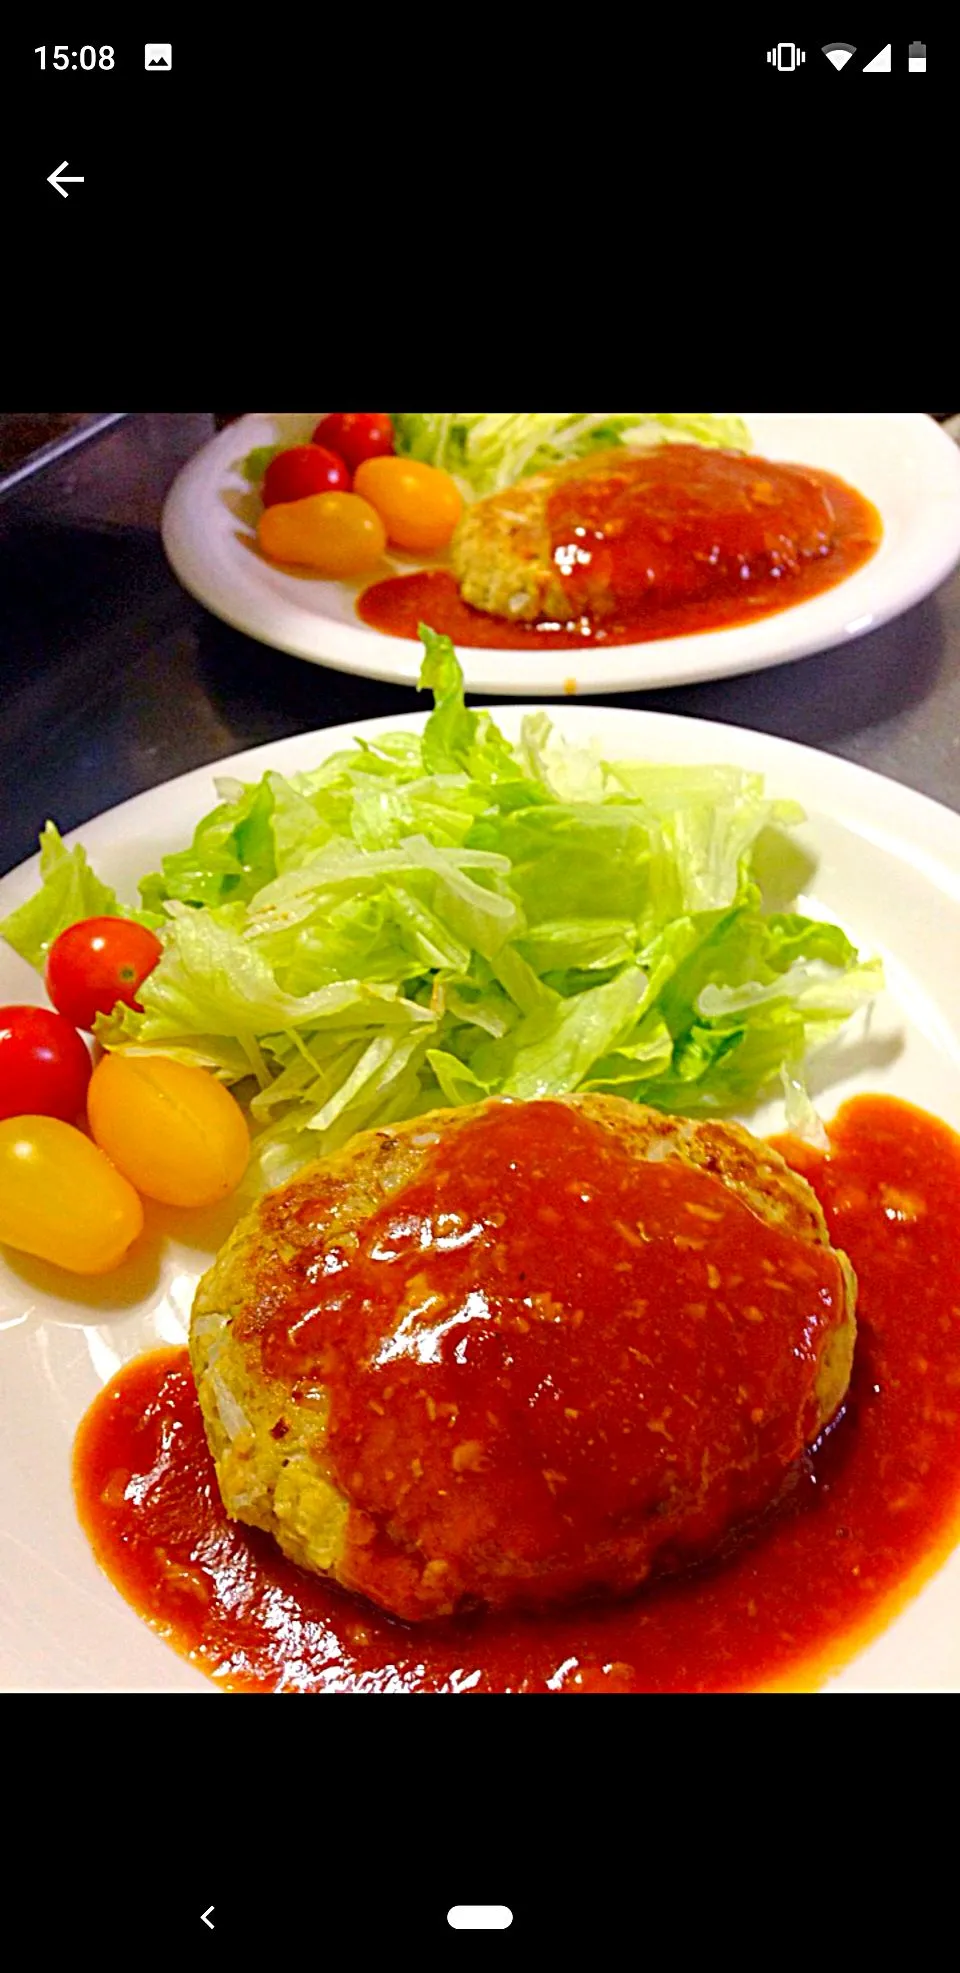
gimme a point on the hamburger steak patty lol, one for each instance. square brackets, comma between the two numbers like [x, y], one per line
[517, 1353]
[619, 530]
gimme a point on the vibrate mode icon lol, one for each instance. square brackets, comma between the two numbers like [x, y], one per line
[786, 56]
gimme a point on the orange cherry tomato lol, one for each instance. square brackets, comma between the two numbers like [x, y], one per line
[173, 1130]
[419, 505]
[61, 1199]
[335, 534]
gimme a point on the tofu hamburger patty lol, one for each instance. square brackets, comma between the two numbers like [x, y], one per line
[502, 556]
[517, 1353]
[622, 531]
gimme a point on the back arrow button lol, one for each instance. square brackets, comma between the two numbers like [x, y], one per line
[59, 183]
[205, 1918]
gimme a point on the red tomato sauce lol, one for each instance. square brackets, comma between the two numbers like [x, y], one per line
[875, 1506]
[666, 543]
[503, 1351]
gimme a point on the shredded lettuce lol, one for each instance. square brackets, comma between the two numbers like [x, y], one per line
[69, 891]
[428, 919]
[488, 450]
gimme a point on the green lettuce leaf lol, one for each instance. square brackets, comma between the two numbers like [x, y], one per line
[69, 891]
[254, 466]
[432, 918]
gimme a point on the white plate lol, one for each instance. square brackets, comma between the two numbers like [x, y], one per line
[902, 461]
[888, 868]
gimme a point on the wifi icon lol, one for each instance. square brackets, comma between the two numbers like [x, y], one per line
[838, 52]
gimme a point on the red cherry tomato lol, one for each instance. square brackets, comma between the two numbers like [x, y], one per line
[356, 435]
[44, 1065]
[302, 472]
[94, 964]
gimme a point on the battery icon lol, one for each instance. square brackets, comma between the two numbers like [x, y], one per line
[917, 58]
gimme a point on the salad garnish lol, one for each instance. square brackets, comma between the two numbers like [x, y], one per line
[428, 918]
[488, 450]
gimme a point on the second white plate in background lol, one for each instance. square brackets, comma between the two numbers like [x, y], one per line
[900, 460]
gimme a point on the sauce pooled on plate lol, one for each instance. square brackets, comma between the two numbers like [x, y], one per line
[659, 544]
[874, 1506]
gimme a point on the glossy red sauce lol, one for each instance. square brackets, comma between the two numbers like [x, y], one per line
[666, 543]
[875, 1506]
[546, 1362]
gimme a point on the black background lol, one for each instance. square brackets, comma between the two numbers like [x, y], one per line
[396, 177]
[529, 200]
[701, 1834]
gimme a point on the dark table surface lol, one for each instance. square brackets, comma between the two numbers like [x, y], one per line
[114, 679]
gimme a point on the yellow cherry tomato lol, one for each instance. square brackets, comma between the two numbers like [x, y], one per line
[173, 1130]
[61, 1199]
[419, 505]
[335, 534]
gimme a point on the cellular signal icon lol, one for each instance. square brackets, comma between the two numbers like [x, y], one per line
[786, 56]
[838, 52]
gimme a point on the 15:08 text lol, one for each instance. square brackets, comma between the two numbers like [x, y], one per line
[71, 58]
